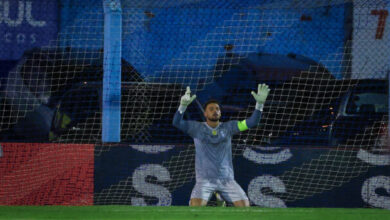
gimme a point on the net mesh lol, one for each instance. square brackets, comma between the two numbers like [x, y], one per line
[326, 63]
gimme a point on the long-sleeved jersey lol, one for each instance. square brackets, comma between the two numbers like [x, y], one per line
[213, 147]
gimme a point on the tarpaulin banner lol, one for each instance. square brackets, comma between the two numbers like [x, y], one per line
[46, 174]
[25, 25]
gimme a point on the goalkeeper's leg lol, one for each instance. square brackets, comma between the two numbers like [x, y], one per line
[232, 192]
[241, 203]
[201, 193]
[198, 202]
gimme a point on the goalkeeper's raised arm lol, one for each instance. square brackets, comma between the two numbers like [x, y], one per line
[254, 119]
[185, 101]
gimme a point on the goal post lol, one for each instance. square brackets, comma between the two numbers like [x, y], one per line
[111, 115]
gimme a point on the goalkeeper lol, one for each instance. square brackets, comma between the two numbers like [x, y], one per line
[213, 157]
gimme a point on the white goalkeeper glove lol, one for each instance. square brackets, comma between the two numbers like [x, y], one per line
[186, 100]
[261, 96]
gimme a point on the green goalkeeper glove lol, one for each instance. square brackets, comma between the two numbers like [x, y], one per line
[186, 100]
[261, 96]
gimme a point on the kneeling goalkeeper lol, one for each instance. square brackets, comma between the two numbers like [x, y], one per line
[213, 157]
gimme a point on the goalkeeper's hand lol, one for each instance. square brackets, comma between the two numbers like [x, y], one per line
[261, 96]
[186, 100]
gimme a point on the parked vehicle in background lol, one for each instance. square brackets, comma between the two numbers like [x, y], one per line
[55, 95]
[32, 89]
[298, 86]
[357, 118]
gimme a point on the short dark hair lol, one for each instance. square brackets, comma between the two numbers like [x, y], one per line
[211, 101]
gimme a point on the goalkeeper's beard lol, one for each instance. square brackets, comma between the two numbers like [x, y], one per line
[214, 118]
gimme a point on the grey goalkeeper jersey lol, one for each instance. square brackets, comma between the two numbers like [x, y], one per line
[213, 147]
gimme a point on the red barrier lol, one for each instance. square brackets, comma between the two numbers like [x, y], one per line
[46, 174]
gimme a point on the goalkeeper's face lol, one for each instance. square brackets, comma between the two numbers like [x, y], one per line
[212, 112]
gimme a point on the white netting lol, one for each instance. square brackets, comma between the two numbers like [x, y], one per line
[323, 60]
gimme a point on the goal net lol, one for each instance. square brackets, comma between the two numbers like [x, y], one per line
[326, 62]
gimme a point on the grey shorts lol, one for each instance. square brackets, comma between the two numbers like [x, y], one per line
[229, 190]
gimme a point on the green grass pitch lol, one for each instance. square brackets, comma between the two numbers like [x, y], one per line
[186, 213]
